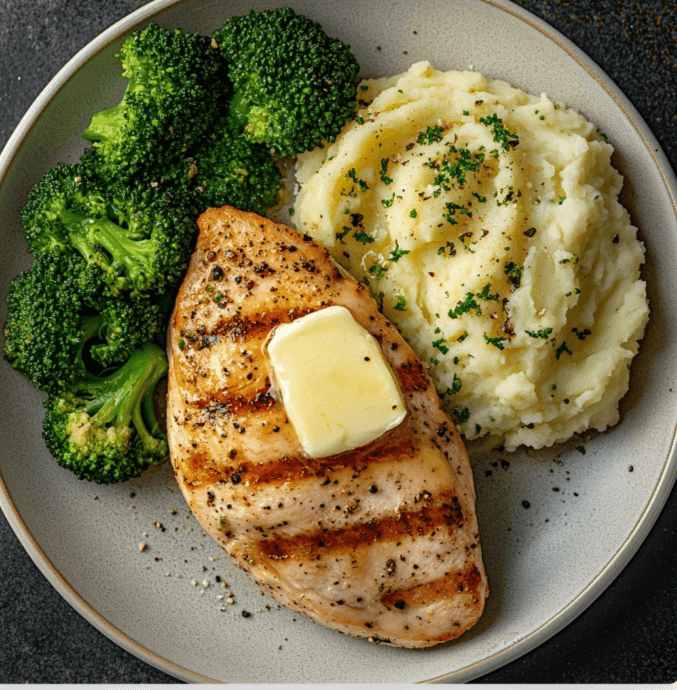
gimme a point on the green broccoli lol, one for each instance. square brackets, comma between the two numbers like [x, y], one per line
[138, 234]
[104, 429]
[228, 169]
[126, 323]
[294, 86]
[60, 315]
[177, 85]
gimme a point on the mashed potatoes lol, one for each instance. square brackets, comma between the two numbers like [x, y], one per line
[485, 221]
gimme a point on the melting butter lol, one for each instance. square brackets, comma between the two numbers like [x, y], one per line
[337, 389]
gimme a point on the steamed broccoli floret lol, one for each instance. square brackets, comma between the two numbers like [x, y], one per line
[126, 323]
[45, 332]
[104, 429]
[227, 169]
[294, 85]
[58, 309]
[139, 234]
[176, 86]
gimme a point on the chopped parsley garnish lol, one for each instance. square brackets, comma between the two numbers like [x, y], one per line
[362, 236]
[561, 349]
[450, 247]
[456, 385]
[561, 200]
[486, 295]
[465, 306]
[340, 235]
[462, 415]
[496, 342]
[397, 253]
[431, 135]
[503, 136]
[413, 213]
[377, 270]
[542, 333]
[451, 212]
[379, 299]
[581, 449]
[462, 337]
[439, 344]
[581, 335]
[401, 304]
[352, 175]
[384, 168]
[451, 173]
[388, 202]
[575, 291]
[478, 428]
[466, 112]
[481, 199]
[514, 273]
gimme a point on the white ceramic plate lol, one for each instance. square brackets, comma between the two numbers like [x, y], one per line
[545, 564]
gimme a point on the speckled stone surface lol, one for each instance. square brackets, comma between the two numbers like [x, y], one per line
[629, 635]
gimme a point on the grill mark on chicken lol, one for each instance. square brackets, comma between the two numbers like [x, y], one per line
[458, 582]
[199, 468]
[241, 328]
[325, 542]
[232, 405]
[296, 468]
[413, 376]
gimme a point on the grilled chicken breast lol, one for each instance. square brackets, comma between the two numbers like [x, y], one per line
[380, 541]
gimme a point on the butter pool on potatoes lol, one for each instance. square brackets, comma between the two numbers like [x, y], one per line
[486, 221]
[337, 388]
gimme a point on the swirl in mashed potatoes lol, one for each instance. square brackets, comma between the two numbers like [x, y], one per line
[486, 222]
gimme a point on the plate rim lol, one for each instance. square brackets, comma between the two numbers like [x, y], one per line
[567, 614]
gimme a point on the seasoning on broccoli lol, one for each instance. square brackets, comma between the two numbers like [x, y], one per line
[229, 169]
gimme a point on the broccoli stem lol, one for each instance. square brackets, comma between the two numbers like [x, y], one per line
[125, 397]
[106, 123]
[87, 235]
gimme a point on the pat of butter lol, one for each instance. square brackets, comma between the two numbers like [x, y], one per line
[337, 388]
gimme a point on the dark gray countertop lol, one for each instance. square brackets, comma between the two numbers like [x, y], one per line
[629, 635]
